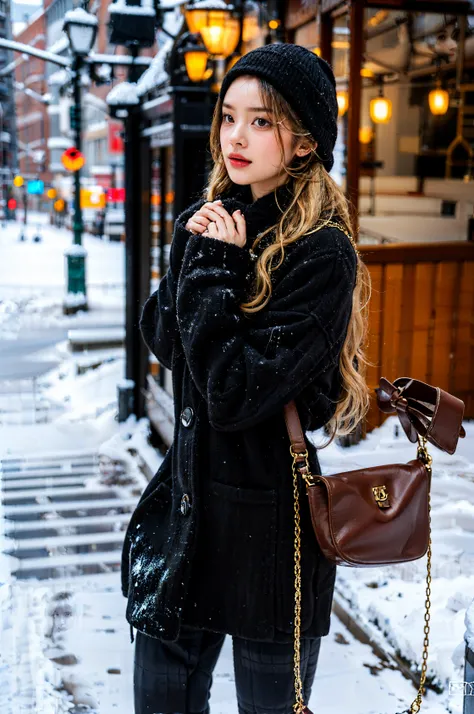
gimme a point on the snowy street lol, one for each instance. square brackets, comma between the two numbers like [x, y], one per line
[70, 475]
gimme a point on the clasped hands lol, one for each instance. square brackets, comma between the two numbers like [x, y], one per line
[213, 220]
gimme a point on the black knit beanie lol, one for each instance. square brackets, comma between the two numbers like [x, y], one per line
[306, 82]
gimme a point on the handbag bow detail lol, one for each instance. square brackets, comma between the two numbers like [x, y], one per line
[423, 410]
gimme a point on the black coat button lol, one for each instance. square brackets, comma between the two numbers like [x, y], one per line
[185, 505]
[187, 416]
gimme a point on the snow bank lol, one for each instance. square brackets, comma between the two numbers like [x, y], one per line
[80, 16]
[121, 7]
[211, 5]
[156, 74]
[123, 93]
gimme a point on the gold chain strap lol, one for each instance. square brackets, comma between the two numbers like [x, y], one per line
[416, 704]
[341, 227]
[299, 706]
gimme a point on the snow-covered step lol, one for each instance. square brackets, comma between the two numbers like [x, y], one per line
[41, 483]
[96, 338]
[48, 457]
[50, 471]
[18, 509]
[109, 557]
[61, 523]
[53, 492]
[65, 541]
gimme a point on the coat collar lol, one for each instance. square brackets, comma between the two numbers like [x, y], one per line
[259, 214]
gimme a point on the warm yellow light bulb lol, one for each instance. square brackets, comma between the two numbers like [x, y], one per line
[380, 110]
[438, 100]
[366, 134]
[196, 62]
[342, 102]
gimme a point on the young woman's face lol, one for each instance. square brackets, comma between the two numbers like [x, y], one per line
[446, 42]
[248, 129]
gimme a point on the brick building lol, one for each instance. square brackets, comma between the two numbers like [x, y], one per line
[8, 157]
[32, 119]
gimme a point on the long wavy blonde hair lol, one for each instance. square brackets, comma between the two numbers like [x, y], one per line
[317, 199]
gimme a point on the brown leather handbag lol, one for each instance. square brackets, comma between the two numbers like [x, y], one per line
[378, 515]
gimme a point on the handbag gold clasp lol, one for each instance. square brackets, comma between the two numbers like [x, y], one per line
[381, 496]
[304, 470]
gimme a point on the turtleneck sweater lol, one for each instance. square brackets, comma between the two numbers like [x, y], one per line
[259, 214]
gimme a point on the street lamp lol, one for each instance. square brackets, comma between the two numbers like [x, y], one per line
[216, 22]
[81, 28]
[195, 57]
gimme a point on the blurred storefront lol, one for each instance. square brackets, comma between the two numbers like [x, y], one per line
[405, 82]
[405, 79]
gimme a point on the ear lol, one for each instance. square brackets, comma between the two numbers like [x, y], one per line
[305, 150]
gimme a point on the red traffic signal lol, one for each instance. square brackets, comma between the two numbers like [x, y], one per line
[72, 159]
[11, 204]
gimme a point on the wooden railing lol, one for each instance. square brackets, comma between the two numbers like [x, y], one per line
[422, 317]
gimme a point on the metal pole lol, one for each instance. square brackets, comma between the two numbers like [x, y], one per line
[25, 204]
[164, 169]
[356, 15]
[468, 699]
[132, 231]
[76, 258]
[77, 120]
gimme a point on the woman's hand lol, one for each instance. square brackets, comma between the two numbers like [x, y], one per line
[213, 220]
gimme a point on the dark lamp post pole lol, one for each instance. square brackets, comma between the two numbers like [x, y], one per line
[81, 29]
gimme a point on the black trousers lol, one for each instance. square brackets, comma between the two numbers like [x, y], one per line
[176, 677]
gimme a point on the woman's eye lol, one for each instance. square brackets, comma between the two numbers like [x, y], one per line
[227, 118]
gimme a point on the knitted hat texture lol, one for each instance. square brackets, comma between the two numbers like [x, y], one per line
[306, 82]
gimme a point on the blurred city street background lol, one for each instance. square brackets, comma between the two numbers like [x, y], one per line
[105, 111]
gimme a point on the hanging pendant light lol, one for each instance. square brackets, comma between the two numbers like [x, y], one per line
[380, 108]
[366, 134]
[342, 101]
[438, 100]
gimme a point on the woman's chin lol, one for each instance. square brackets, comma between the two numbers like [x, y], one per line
[238, 178]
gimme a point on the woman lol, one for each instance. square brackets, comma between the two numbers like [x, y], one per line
[261, 304]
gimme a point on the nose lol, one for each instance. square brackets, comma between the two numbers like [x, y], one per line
[237, 134]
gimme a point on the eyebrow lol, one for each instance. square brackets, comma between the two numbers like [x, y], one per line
[249, 109]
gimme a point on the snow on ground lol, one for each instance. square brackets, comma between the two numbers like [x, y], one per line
[32, 276]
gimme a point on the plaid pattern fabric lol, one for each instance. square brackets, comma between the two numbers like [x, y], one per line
[176, 677]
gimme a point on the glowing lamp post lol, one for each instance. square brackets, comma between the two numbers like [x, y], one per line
[81, 28]
[217, 25]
